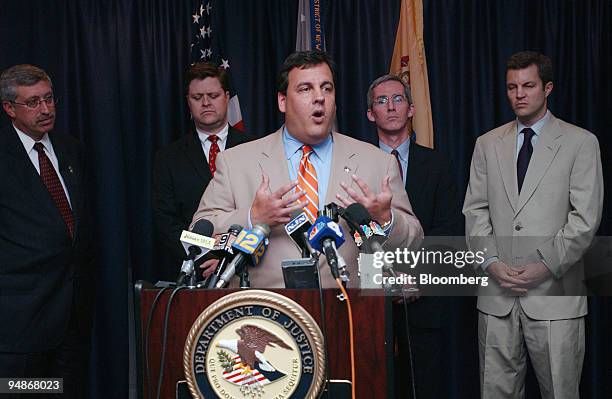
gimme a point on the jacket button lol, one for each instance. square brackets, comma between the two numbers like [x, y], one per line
[518, 227]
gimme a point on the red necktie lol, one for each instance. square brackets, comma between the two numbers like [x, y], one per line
[307, 181]
[399, 164]
[212, 154]
[53, 184]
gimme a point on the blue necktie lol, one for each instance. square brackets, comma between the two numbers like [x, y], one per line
[522, 162]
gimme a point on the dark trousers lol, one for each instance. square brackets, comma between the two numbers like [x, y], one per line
[427, 348]
[68, 361]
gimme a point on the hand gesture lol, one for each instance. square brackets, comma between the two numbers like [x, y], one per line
[208, 267]
[506, 276]
[378, 205]
[532, 275]
[270, 207]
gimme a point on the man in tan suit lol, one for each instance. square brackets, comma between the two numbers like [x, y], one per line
[533, 203]
[259, 182]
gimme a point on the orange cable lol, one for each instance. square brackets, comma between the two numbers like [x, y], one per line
[351, 338]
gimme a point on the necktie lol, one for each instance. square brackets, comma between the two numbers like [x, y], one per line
[307, 182]
[53, 184]
[522, 162]
[399, 164]
[212, 154]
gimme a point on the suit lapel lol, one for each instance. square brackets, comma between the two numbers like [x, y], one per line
[416, 181]
[234, 137]
[195, 154]
[65, 162]
[505, 149]
[273, 162]
[544, 152]
[70, 173]
[344, 164]
[25, 172]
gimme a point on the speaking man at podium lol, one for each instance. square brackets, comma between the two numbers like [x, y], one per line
[303, 166]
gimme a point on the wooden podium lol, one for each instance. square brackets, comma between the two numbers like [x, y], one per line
[372, 332]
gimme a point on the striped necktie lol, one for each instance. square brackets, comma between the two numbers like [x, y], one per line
[307, 182]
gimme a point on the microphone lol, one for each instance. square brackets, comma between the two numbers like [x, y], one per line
[332, 211]
[326, 236]
[250, 246]
[367, 231]
[297, 230]
[224, 252]
[196, 243]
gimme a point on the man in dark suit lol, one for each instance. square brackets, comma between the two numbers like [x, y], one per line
[184, 168]
[436, 203]
[46, 257]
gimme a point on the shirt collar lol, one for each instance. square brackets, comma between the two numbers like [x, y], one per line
[203, 136]
[402, 149]
[28, 142]
[293, 145]
[536, 127]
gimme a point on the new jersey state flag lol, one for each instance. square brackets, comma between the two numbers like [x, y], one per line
[409, 63]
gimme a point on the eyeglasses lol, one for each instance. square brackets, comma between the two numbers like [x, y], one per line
[383, 100]
[35, 102]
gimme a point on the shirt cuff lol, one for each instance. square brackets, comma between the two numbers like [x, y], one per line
[249, 219]
[488, 261]
[387, 228]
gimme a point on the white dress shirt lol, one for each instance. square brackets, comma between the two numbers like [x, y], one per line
[28, 144]
[206, 144]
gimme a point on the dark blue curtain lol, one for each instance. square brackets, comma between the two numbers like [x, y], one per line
[117, 66]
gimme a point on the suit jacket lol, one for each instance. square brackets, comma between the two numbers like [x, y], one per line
[436, 202]
[44, 275]
[229, 196]
[180, 176]
[433, 193]
[554, 218]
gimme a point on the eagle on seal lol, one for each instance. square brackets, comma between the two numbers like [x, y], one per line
[251, 346]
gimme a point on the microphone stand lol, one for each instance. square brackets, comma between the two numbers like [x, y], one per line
[193, 279]
[244, 277]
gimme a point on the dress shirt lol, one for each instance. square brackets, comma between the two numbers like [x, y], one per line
[203, 136]
[537, 129]
[28, 145]
[403, 151]
[321, 159]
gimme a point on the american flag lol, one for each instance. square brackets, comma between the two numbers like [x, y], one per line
[235, 376]
[204, 49]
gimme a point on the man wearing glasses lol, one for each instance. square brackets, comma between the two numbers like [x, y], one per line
[436, 203]
[46, 257]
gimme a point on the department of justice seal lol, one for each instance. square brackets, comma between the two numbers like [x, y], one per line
[253, 345]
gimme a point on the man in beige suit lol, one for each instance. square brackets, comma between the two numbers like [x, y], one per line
[259, 182]
[533, 203]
